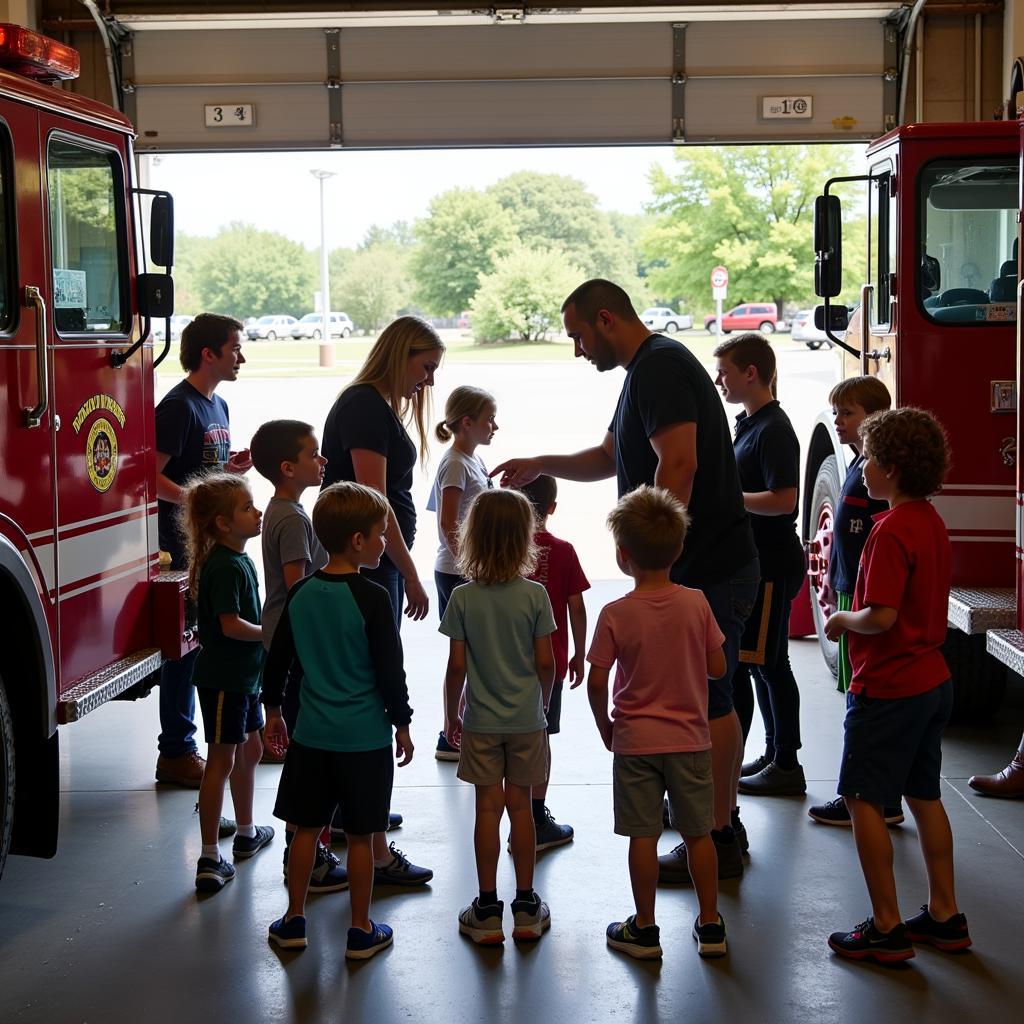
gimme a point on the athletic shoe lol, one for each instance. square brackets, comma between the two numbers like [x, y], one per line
[530, 919]
[246, 846]
[640, 943]
[444, 750]
[673, 868]
[482, 924]
[400, 871]
[835, 812]
[739, 830]
[327, 876]
[338, 832]
[866, 942]
[951, 936]
[753, 767]
[775, 781]
[212, 875]
[227, 827]
[362, 945]
[289, 934]
[550, 833]
[710, 937]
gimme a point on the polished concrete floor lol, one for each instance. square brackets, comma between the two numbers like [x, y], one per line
[111, 930]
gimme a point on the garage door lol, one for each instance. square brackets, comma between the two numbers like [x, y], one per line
[289, 84]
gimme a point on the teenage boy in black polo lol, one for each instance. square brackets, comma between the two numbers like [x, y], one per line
[768, 459]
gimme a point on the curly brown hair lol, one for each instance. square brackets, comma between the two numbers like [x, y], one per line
[912, 443]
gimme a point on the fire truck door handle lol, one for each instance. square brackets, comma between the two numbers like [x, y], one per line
[867, 292]
[34, 416]
[880, 355]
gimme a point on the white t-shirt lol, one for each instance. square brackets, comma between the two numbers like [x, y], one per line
[469, 474]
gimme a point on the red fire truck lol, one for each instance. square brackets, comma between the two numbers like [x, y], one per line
[937, 321]
[86, 613]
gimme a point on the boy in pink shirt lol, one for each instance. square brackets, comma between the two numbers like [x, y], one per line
[666, 644]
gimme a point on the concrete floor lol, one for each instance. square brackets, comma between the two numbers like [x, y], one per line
[111, 930]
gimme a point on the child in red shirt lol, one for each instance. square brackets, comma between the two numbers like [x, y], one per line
[559, 571]
[901, 694]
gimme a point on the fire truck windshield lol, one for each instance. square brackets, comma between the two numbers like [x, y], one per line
[968, 267]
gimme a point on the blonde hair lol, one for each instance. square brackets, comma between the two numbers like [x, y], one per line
[650, 525]
[465, 400]
[345, 509]
[202, 501]
[385, 368]
[496, 537]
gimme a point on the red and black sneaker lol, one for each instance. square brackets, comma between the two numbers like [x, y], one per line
[866, 942]
[950, 936]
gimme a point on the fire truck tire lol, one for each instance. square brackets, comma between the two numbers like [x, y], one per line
[6, 776]
[979, 680]
[824, 498]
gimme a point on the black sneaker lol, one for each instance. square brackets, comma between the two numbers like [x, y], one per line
[400, 871]
[774, 781]
[673, 868]
[212, 875]
[951, 936]
[866, 942]
[730, 855]
[362, 945]
[753, 767]
[288, 934]
[739, 830]
[710, 937]
[550, 833]
[640, 943]
[530, 919]
[246, 846]
[482, 924]
[327, 875]
[835, 812]
[444, 750]
[227, 828]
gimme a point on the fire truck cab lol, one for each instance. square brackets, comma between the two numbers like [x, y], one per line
[937, 321]
[86, 613]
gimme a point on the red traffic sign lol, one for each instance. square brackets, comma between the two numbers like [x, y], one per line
[719, 277]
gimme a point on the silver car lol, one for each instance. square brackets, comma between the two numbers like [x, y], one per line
[271, 327]
[312, 326]
[661, 318]
[803, 329]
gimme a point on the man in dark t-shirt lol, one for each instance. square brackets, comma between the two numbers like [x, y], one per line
[192, 436]
[670, 430]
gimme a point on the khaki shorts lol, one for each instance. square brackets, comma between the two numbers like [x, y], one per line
[639, 785]
[489, 758]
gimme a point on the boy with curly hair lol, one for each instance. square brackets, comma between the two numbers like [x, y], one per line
[901, 695]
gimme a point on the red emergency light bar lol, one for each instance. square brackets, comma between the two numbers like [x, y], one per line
[36, 56]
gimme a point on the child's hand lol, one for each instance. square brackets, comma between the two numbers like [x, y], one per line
[836, 625]
[575, 670]
[453, 733]
[403, 746]
[239, 462]
[606, 728]
[275, 734]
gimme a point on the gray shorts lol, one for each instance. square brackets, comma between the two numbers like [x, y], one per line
[489, 758]
[639, 785]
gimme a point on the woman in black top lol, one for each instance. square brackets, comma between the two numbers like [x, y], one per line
[365, 440]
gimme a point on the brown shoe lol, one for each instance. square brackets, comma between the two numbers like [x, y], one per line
[1008, 783]
[186, 770]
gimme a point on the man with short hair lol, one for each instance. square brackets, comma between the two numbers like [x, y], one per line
[670, 430]
[192, 436]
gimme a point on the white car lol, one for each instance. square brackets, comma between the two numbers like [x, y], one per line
[178, 323]
[661, 318]
[271, 327]
[803, 329]
[312, 326]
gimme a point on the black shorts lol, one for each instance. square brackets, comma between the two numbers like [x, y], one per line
[358, 782]
[893, 746]
[229, 717]
[554, 712]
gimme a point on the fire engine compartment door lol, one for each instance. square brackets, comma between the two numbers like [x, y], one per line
[222, 84]
[26, 453]
[103, 513]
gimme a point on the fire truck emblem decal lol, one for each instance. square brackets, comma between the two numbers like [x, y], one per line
[101, 441]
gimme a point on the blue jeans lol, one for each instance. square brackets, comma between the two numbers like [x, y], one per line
[731, 601]
[177, 707]
[387, 576]
[446, 582]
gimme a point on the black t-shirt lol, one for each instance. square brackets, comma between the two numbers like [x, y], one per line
[361, 418]
[664, 385]
[194, 431]
[768, 459]
[851, 527]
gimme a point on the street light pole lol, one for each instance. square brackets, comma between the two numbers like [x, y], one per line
[326, 344]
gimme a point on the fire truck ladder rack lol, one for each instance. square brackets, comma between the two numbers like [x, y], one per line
[106, 684]
[975, 610]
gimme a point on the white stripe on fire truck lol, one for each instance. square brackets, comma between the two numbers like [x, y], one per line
[68, 527]
[99, 583]
[972, 513]
[77, 529]
[87, 555]
[109, 574]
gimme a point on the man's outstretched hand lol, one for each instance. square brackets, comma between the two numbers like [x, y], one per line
[517, 472]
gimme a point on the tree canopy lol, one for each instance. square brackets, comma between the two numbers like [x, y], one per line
[374, 285]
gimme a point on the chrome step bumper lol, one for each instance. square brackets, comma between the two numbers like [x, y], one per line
[975, 610]
[106, 684]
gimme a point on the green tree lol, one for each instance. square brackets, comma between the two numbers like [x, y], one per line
[522, 297]
[374, 285]
[749, 208]
[401, 233]
[337, 264]
[188, 251]
[463, 234]
[246, 272]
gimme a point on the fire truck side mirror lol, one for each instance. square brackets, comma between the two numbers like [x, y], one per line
[155, 296]
[828, 247]
[161, 231]
[838, 318]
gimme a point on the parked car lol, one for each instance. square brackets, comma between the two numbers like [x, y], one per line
[312, 326]
[178, 323]
[271, 327]
[803, 329]
[661, 318]
[753, 316]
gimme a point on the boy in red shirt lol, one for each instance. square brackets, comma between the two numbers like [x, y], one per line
[560, 573]
[901, 694]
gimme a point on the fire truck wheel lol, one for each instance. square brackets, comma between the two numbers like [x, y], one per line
[6, 776]
[979, 680]
[824, 498]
